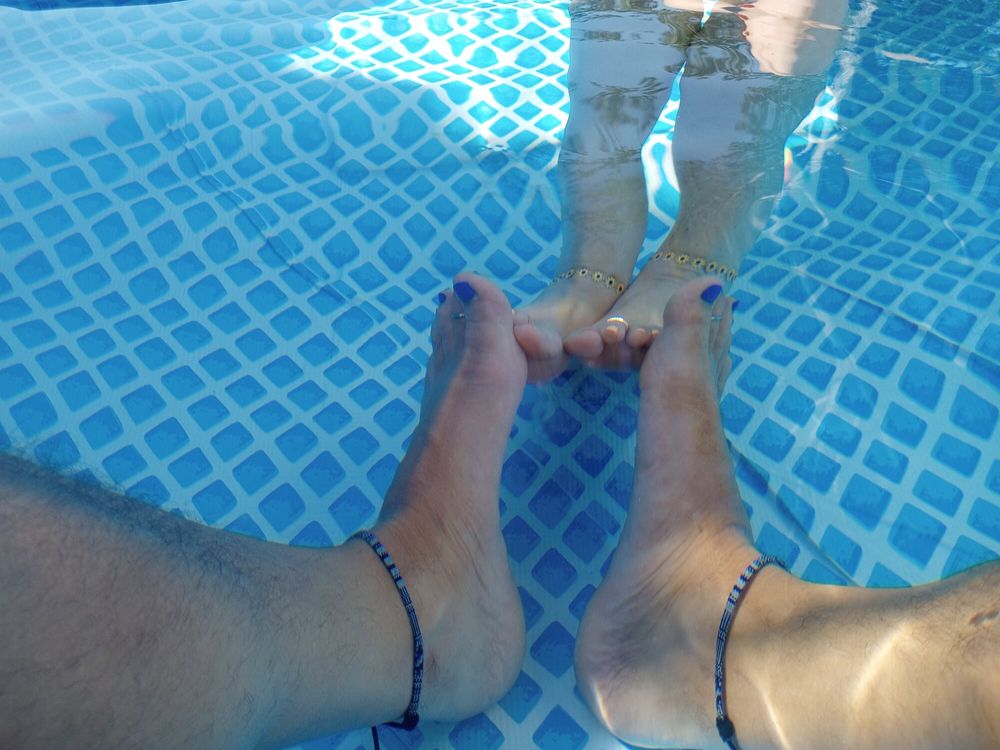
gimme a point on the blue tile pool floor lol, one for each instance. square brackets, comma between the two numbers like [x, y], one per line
[222, 226]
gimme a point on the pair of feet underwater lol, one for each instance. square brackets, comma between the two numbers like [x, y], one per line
[807, 665]
[576, 318]
[645, 650]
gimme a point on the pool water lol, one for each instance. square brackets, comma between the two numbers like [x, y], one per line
[222, 226]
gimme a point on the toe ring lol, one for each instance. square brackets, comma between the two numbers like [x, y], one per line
[716, 318]
[458, 316]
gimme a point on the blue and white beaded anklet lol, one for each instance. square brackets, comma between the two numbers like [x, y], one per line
[410, 717]
[722, 722]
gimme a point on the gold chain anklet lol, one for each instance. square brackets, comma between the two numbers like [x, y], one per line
[598, 277]
[699, 264]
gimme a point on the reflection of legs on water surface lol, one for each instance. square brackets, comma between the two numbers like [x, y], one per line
[124, 626]
[622, 67]
[808, 666]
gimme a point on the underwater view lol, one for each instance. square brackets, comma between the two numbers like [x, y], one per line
[224, 226]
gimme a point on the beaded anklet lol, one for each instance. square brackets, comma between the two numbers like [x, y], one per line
[410, 717]
[722, 722]
[598, 277]
[698, 263]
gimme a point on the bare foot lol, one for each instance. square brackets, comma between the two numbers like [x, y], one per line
[645, 651]
[441, 519]
[621, 338]
[542, 325]
[807, 665]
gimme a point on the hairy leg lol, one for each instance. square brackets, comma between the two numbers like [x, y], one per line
[728, 150]
[808, 665]
[623, 61]
[127, 627]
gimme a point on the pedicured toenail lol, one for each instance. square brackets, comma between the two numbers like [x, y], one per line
[712, 293]
[441, 298]
[466, 293]
[736, 304]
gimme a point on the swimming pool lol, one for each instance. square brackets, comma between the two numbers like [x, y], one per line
[222, 226]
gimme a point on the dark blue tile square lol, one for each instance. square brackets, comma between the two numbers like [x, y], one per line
[323, 473]
[521, 698]
[592, 455]
[878, 359]
[143, 403]
[972, 413]
[916, 534]
[352, 510]
[553, 649]
[795, 405]
[816, 469]
[231, 441]
[922, 383]
[214, 502]
[965, 554]
[757, 381]
[886, 461]
[558, 731]
[554, 573]
[903, 425]
[584, 537]
[476, 733]
[956, 454]
[772, 440]
[166, 438]
[857, 396]
[842, 549]
[816, 372]
[190, 467]
[938, 492]
[78, 390]
[254, 472]
[521, 539]
[838, 434]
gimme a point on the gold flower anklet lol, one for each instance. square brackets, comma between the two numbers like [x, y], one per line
[699, 264]
[598, 277]
[681, 259]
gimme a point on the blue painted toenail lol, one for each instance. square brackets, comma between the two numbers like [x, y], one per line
[441, 298]
[712, 293]
[466, 293]
[736, 303]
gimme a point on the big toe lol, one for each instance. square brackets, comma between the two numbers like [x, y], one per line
[585, 344]
[543, 347]
[687, 325]
[487, 318]
[484, 309]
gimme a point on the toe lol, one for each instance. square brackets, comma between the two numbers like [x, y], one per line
[585, 344]
[543, 347]
[724, 369]
[721, 332]
[446, 331]
[487, 327]
[692, 304]
[483, 302]
[488, 318]
[614, 330]
[683, 344]
[637, 338]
